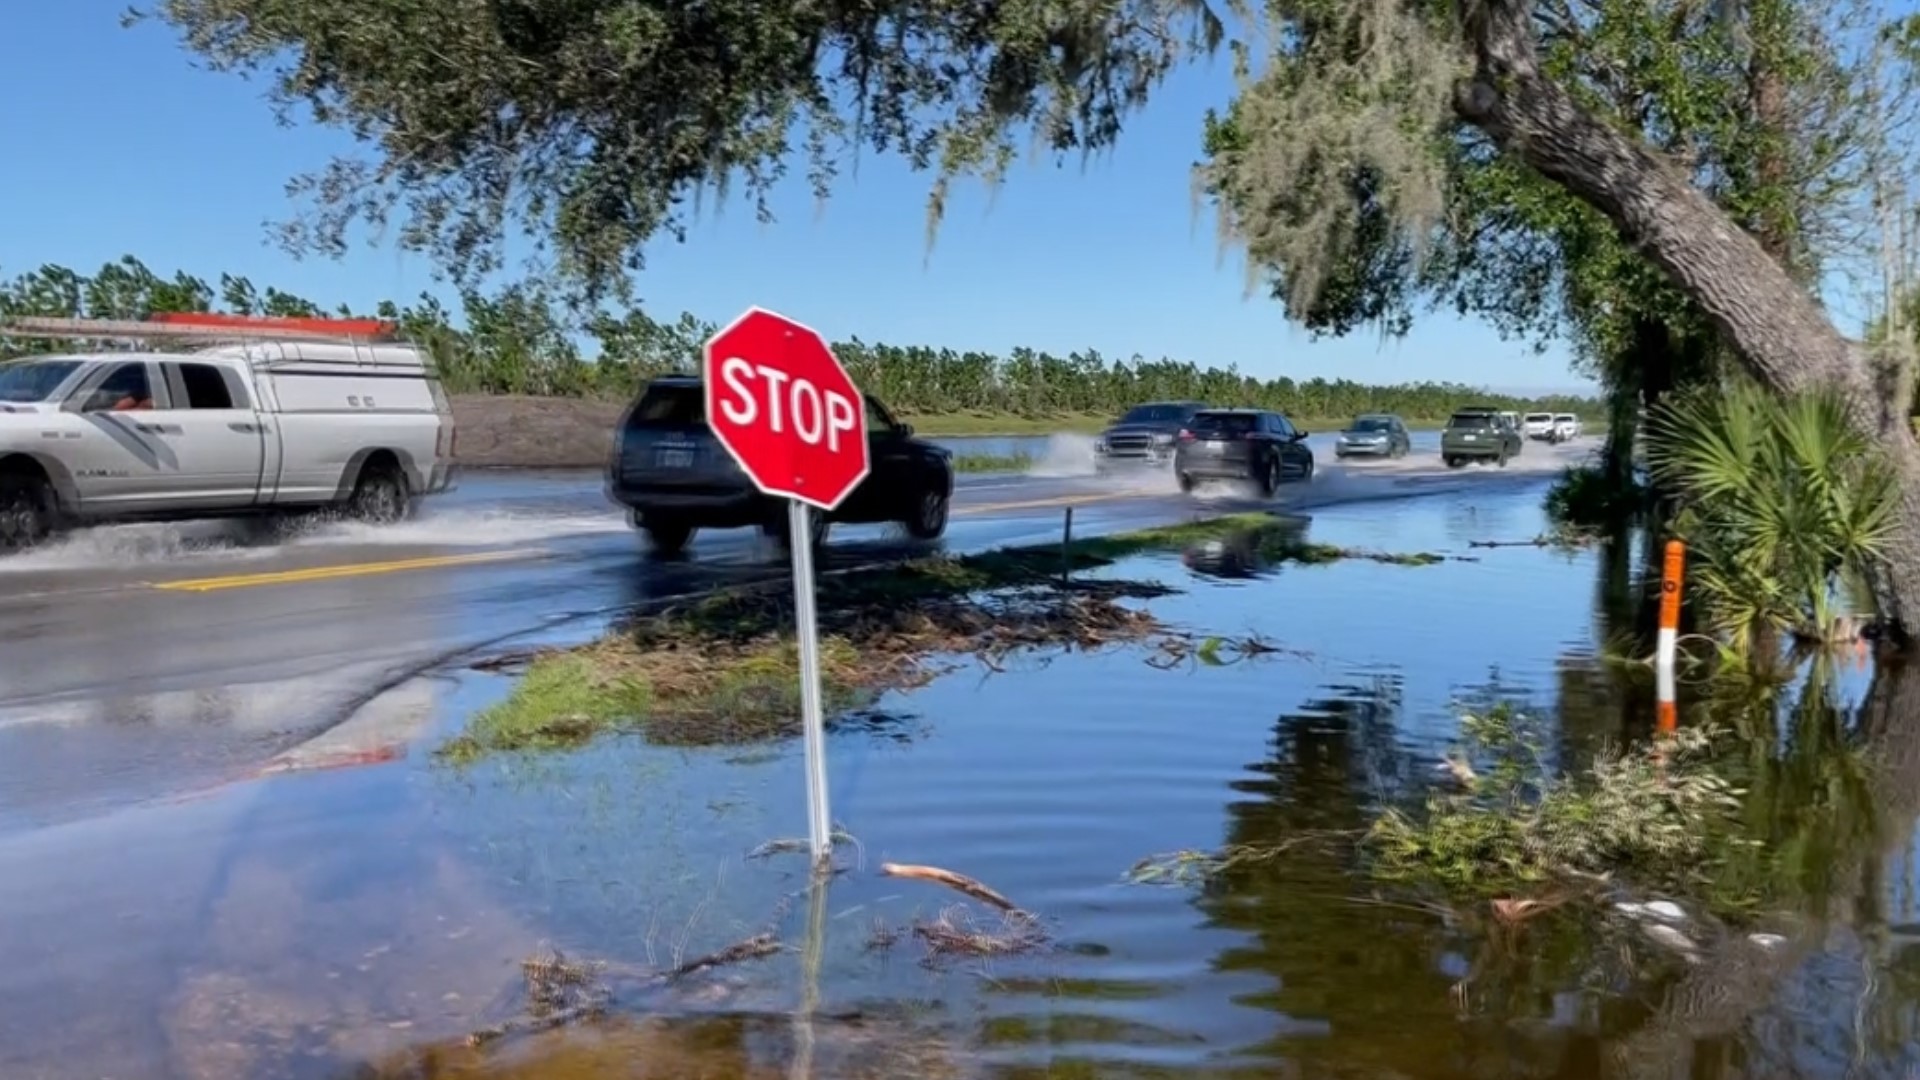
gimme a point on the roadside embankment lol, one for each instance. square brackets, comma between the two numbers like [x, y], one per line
[512, 431]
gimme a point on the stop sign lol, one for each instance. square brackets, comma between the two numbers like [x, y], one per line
[779, 401]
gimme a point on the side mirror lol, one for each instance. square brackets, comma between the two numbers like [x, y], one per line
[1300, 435]
[905, 431]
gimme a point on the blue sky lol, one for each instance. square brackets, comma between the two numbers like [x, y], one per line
[128, 148]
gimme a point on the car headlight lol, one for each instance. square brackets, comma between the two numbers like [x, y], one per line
[1163, 439]
[1100, 445]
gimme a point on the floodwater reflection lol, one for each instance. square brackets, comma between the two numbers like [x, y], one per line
[1367, 982]
[356, 926]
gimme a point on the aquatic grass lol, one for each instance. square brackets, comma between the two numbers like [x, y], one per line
[723, 668]
[561, 701]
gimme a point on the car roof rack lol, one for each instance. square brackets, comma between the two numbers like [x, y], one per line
[208, 328]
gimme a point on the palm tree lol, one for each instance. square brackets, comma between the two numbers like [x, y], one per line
[1782, 506]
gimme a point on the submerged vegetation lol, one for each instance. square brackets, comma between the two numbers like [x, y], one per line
[724, 668]
[1658, 815]
[1586, 501]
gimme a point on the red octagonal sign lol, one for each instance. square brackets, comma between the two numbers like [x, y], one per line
[779, 401]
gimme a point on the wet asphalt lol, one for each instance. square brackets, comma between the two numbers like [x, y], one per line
[145, 662]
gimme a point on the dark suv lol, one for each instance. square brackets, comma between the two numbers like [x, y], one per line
[1242, 444]
[1144, 434]
[675, 477]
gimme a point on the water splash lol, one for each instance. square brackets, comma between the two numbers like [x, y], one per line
[113, 546]
[1065, 455]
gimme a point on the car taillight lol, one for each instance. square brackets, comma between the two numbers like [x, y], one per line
[1185, 435]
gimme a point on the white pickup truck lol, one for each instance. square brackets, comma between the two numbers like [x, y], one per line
[251, 416]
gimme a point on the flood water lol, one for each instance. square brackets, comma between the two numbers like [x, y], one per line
[358, 923]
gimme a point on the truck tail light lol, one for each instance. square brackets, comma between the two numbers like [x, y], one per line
[1185, 435]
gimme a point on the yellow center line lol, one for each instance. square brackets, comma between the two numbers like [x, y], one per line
[327, 573]
[1036, 504]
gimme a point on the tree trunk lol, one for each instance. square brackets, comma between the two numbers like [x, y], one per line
[1774, 325]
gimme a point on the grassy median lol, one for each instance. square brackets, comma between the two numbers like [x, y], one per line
[723, 669]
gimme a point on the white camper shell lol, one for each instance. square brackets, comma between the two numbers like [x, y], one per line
[233, 416]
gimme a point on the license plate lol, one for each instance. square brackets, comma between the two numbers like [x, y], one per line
[1469, 438]
[673, 459]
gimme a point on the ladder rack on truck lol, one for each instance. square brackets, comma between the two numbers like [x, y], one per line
[268, 343]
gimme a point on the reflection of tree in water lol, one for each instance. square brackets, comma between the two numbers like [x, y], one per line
[1368, 986]
[1371, 972]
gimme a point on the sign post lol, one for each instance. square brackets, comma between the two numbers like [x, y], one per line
[779, 401]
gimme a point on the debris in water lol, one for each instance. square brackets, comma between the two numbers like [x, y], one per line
[753, 948]
[560, 991]
[1673, 939]
[1514, 911]
[957, 882]
[1666, 911]
[955, 932]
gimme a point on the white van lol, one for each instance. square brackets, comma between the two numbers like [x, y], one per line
[251, 416]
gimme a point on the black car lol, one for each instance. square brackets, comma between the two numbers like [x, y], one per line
[1144, 434]
[675, 477]
[1241, 444]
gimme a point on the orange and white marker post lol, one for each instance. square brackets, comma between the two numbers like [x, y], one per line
[1667, 644]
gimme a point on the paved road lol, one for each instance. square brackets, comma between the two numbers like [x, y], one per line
[139, 661]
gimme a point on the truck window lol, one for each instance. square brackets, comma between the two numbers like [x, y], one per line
[125, 388]
[206, 387]
[33, 380]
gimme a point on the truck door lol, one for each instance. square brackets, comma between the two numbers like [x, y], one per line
[217, 437]
[117, 455]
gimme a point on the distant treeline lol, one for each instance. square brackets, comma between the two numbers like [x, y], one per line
[517, 341]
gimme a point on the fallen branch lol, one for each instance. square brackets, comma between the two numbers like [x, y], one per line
[753, 948]
[957, 882]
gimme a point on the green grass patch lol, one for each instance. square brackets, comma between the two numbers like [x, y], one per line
[723, 668]
[956, 424]
[988, 463]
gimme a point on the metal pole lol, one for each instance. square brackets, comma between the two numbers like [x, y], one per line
[1667, 643]
[812, 951]
[1066, 549]
[800, 540]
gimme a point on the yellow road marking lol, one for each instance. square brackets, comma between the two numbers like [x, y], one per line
[1037, 504]
[327, 573]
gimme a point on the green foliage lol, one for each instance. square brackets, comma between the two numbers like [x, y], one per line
[514, 341]
[594, 126]
[1358, 193]
[1783, 504]
[1583, 500]
[1658, 816]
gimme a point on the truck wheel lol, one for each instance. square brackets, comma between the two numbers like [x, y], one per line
[26, 511]
[667, 536]
[1456, 462]
[380, 496]
[929, 518]
[1186, 483]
